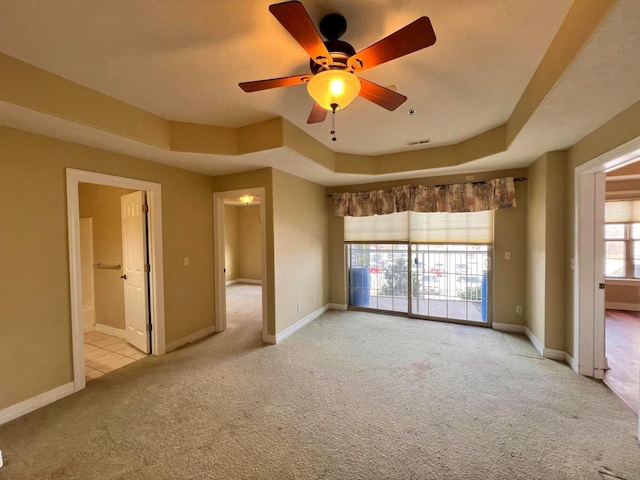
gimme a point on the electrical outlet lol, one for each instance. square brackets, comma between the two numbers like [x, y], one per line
[507, 255]
[314, 299]
[1, 461]
[518, 308]
[299, 306]
[186, 261]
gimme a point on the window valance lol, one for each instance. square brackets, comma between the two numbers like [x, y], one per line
[461, 197]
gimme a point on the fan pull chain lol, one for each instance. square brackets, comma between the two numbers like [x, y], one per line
[333, 121]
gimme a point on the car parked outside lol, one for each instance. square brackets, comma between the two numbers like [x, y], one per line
[437, 268]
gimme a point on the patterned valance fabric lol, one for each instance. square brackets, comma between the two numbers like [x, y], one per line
[461, 197]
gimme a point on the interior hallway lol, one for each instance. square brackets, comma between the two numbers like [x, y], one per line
[623, 355]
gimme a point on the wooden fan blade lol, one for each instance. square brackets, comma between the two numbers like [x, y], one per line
[317, 115]
[380, 95]
[294, 17]
[415, 36]
[274, 83]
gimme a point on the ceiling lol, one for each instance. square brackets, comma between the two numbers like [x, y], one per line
[182, 61]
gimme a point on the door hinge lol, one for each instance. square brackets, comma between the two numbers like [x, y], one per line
[145, 208]
[601, 286]
[148, 327]
[147, 268]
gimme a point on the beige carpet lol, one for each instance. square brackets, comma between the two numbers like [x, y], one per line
[351, 396]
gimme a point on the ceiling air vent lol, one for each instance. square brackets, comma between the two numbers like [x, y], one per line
[418, 142]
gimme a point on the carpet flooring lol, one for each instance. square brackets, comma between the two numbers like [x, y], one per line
[352, 395]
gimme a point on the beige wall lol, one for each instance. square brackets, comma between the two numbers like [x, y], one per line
[545, 310]
[250, 258]
[231, 246]
[536, 249]
[509, 228]
[102, 204]
[242, 242]
[35, 319]
[301, 247]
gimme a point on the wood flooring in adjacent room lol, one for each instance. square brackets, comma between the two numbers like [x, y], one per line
[623, 355]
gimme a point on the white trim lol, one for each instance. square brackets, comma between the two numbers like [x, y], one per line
[33, 403]
[244, 280]
[569, 360]
[154, 200]
[337, 306]
[632, 307]
[190, 338]
[549, 353]
[219, 294]
[534, 341]
[554, 354]
[116, 332]
[300, 323]
[508, 327]
[588, 351]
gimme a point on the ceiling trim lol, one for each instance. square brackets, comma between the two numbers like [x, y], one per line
[41, 91]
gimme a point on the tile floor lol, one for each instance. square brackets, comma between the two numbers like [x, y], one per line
[104, 353]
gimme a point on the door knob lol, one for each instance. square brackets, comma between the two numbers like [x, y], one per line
[123, 276]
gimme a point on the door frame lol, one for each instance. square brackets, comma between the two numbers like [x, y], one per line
[220, 283]
[588, 318]
[156, 277]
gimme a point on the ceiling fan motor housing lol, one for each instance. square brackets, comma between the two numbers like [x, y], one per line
[340, 52]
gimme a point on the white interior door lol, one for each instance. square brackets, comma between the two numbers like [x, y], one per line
[86, 265]
[134, 261]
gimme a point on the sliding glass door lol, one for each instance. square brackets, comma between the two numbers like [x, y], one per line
[448, 281]
[378, 276]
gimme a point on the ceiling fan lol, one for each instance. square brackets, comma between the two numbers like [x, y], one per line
[334, 63]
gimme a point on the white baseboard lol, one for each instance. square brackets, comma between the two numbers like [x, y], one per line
[27, 406]
[300, 323]
[552, 354]
[534, 341]
[115, 332]
[631, 307]
[243, 280]
[190, 338]
[337, 306]
[549, 353]
[571, 362]
[508, 327]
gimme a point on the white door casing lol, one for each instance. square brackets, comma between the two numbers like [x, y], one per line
[219, 260]
[134, 267]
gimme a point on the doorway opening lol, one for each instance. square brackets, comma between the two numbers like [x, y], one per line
[115, 294]
[589, 339]
[152, 256]
[240, 262]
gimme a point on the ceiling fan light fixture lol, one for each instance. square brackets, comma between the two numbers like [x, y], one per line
[334, 87]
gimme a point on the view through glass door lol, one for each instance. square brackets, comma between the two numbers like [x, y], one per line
[448, 281]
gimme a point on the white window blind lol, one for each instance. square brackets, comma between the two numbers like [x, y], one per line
[626, 211]
[467, 227]
[380, 228]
